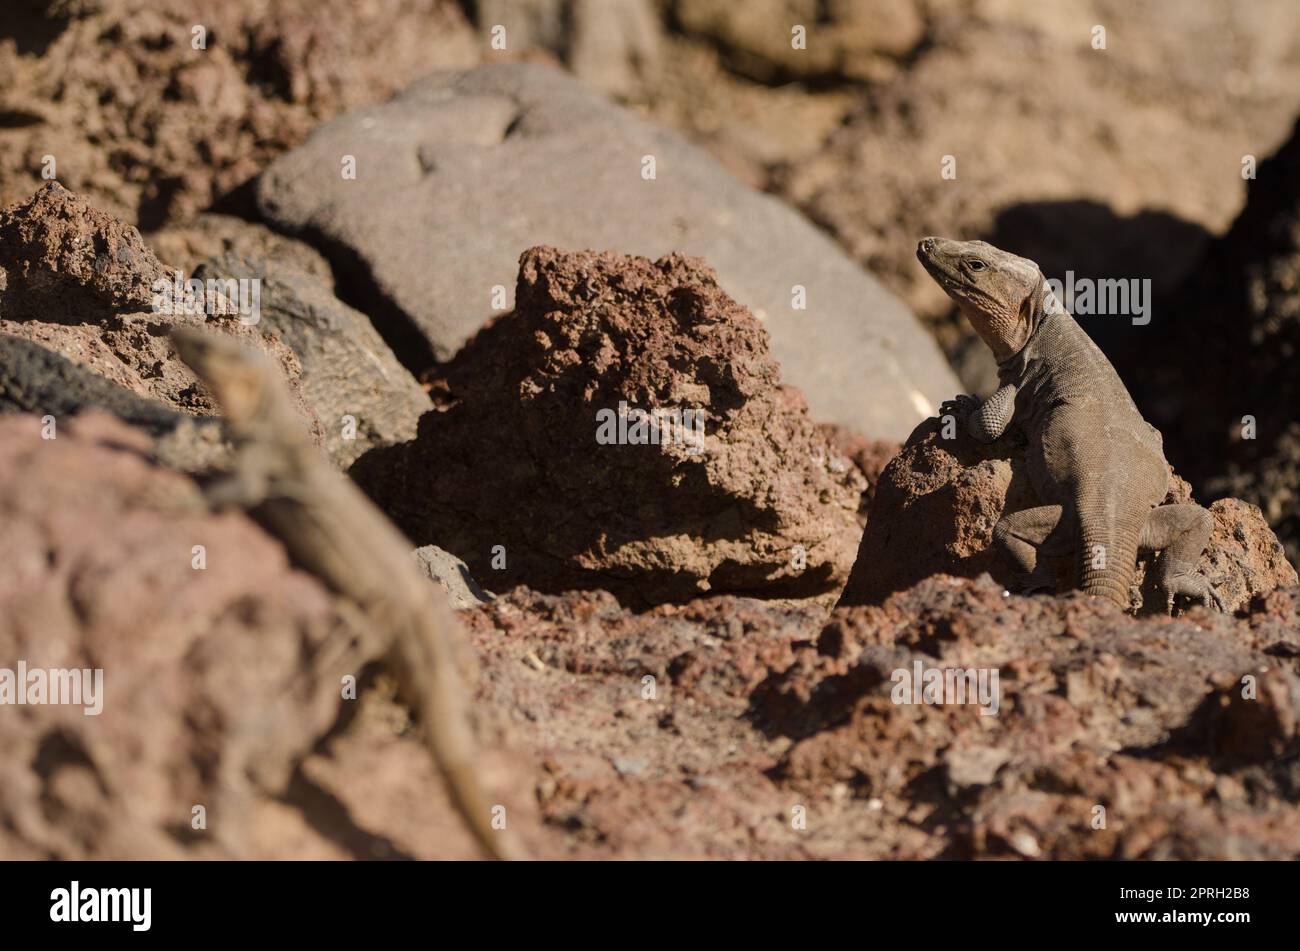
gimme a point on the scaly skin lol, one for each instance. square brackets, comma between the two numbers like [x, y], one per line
[332, 530]
[1097, 466]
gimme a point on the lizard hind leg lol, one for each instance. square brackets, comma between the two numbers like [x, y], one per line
[1024, 536]
[1182, 533]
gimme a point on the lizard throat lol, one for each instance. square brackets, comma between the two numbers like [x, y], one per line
[1005, 337]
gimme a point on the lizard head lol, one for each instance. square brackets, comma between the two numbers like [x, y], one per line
[237, 375]
[1000, 294]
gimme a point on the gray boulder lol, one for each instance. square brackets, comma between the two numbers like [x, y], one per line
[462, 172]
[362, 395]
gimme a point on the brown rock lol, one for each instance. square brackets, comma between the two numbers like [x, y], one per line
[40, 381]
[695, 730]
[1245, 559]
[638, 724]
[513, 457]
[97, 570]
[1251, 719]
[82, 284]
[517, 155]
[349, 377]
[155, 129]
[188, 245]
[933, 512]
[450, 574]
[868, 456]
[1095, 710]
[610, 44]
[360, 393]
[207, 696]
[692, 730]
[937, 502]
[63, 255]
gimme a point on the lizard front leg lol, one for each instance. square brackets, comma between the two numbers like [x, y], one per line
[985, 420]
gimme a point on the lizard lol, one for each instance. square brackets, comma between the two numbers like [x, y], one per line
[331, 529]
[1097, 467]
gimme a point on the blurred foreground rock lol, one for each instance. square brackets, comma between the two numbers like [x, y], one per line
[99, 571]
[202, 631]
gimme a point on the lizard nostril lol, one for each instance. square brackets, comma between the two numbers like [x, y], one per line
[926, 245]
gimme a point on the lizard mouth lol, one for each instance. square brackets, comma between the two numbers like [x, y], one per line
[925, 251]
[944, 275]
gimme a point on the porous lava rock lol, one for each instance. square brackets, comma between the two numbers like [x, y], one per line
[462, 172]
[512, 471]
[1107, 736]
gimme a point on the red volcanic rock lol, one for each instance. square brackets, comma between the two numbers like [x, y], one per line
[534, 469]
[155, 129]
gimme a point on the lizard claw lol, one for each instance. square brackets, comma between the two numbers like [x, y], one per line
[1214, 596]
[959, 406]
[1187, 583]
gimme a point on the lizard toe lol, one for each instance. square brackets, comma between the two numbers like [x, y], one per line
[1188, 584]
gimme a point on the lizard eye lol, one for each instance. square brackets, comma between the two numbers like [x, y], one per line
[975, 264]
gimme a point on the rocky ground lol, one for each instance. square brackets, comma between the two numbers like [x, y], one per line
[674, 650]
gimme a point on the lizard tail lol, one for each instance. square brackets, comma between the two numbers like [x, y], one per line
[451, 742]
[1108, 558]
[440, 702]
[461, 776]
